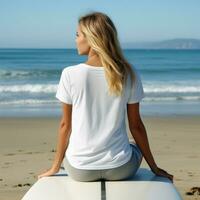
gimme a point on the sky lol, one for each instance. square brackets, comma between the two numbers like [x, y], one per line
[53, 23]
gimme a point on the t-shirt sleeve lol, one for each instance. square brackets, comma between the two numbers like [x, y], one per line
[63, 89]
[136, 93]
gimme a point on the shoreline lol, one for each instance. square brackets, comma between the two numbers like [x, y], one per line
[27, 148]
[181, 116]
[147, 109]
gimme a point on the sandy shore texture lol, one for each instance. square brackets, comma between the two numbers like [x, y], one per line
[27, 148]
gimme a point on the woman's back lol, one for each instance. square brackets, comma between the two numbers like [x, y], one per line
[99, 138]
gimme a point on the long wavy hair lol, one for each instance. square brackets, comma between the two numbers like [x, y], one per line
[102, 37]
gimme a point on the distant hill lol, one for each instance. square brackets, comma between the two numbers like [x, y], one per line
[178, 43]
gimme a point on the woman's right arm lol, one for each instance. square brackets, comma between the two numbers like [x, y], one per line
[139, 134]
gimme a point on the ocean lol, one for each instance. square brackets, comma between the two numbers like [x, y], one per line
[29, 79]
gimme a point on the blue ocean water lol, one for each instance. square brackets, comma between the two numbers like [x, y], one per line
[29, 78]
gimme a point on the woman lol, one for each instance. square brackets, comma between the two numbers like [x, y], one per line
[96, 95]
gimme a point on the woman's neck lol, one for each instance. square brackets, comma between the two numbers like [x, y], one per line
[94, 60]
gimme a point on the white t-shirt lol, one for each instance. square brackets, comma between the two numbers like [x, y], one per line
[99, 138]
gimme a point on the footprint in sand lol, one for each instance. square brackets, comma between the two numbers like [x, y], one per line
[9, 154]
[192, 156]
[29, 153]
[21, 185]
[37, 152]
[4, 167]
[27, 184]
[8, 163]
[193, 190]
[32, 152]
[190, 174]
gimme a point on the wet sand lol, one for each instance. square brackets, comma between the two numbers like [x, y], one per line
[27, 148]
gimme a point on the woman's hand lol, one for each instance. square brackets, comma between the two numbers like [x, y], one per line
[161, 172]
[48, 172]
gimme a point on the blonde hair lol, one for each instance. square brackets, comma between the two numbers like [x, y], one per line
[101, 35]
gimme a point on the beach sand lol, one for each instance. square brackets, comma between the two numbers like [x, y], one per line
[27, 148]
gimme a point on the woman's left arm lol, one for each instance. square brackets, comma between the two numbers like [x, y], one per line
[63, 139]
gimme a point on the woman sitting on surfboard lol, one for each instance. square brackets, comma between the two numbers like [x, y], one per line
[96, 97]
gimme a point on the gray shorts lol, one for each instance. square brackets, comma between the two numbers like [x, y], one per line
[122, 172]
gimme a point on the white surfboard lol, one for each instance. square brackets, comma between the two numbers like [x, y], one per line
[145, 185]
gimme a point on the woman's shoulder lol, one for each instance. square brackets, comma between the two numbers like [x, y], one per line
[71, 68]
